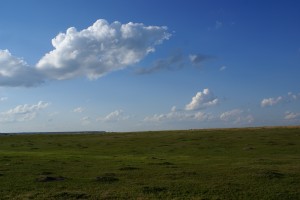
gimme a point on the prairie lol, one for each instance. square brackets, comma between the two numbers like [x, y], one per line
[246, 163]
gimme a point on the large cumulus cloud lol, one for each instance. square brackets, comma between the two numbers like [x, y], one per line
[91, 52]
[99, 49]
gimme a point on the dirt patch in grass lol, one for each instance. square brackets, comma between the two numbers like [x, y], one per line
[270, 174]
[45, 173]
[163, 163]
[180, 175]
[46, 178]
[107, 179]
[153, 190]
[128, 168]
[70, 195]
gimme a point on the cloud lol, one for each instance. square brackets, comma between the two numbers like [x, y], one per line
[92, 52]
[223, 68]
[237, 116]
[202, 100]
[117, 115]
[3, 99]
[16, 72]
[218, 25]
[78, 110]
[100, 49]
[291, 116]
[85, 120]
[281, 99]
[197, 59]
[171, 63]
[23, 112]
[271, 101]
[179, 115]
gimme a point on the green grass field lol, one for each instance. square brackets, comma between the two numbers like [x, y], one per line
[261, 163]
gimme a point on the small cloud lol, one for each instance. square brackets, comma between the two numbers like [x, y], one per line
[223, 68]
[291, 116]
[202, 100]
[197, 59]
[78, 110]
[3, 99]
[237, 116]
[182, 115]
[23, 112]
[218, 25]
[85, 120]
[117, 115]
[281, 99]
[173, 109]
[271, 101]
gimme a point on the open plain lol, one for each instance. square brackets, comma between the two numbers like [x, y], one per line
[248, 163]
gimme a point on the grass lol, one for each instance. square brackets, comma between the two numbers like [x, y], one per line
[258, 163]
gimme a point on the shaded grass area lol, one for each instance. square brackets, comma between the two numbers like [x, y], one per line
[261, 163]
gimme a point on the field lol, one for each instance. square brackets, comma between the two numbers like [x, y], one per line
[253, 163]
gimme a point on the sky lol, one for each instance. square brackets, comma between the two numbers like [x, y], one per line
[136, 65]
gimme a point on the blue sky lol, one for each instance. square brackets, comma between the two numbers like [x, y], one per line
[148, 65]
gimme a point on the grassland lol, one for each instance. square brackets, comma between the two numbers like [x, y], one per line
[262, 163]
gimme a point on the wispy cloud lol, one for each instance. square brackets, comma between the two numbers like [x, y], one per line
[92, 52]
[198, 59]
[117, 115]
[180, 115]
[23, 112]
[281, 99]
[218, 24]
[3, 99]
[271, 101]
[202, 100]
[85, 120]
[173, 62]
[292, 116]
[223, 68]
[237, 116]
[78, 110]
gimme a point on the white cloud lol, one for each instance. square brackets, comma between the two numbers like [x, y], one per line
[292, 97]
[23, 112]
[291, 116]
[85, 120]
[78, 110]
[179, 115]
[91, 52]
[237, 116]
[100, 49]
[202, 100]
[271, 101]
[16, 72]
[3, 99]
[117, 115]
[281, 99]
[223, 68]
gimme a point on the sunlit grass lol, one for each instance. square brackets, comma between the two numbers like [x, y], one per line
[259, 163]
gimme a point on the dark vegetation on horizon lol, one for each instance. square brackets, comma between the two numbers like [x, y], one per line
[254, 163]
